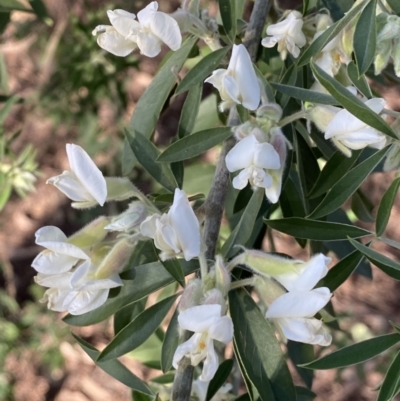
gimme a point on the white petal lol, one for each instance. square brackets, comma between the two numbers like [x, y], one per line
[49, 234]
[87, 173]
[64, 248]
[55, 299]
[273, 192]
[216, 78]
[362, 138]
[230, 89]
[265, 156]
[124, 22]
[299, 303]
[242, 154]
[53, 263]
[116, 44]
[183, 349]
[246, 78]
[107, 283]
[85, 301]
[60, 281]
[242, 179]
[199, 318]
[210, 365]
[149, 226]
[185, 224]
[222, 329]
[146, 15]
[315, 269]
[167, 30]
[269, 41]
[148, 44]
[70, 186]
[376, 104]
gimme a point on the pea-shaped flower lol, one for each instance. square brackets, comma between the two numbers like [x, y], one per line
[85, 183]
[287, 34]
[238, 84]
[348, 132]
[148, 32]
[207, 324]
[176, 233]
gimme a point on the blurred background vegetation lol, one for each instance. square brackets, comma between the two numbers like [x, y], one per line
[57, 86]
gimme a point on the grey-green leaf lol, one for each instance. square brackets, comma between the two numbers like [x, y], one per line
[147, 154]
[305, 95]
[391, 384]
[389, 266]
[202, 70]
[355, 353]
[194, 144]
[219, 379]
[189, 110]
[385, 207]
[360, 82]
[174, 268]
[347, 185]
[170, 343]
[258, 350]
[137, 331]
[244, 228]
[114, 368]
[227, 9]
[364, 41]
[316, 230]
[139, 282]
[351, 102]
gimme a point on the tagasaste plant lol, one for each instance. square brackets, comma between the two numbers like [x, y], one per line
[300, 130]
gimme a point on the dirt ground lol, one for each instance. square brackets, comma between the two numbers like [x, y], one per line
[367, 305]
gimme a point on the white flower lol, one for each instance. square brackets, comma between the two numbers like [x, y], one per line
[287, 34]
[85, 183]
[208, 325]
[200, 388]
[60, 256]
[256, 160]
[177, 232]
[238, 84]
[348, 132]
[147, 33]
[294, 312]
[130, 219]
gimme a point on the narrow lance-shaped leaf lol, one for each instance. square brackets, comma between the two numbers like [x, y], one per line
[258, 350]
[147, 153]
[305, 95]
[138, 331]
[351, 102]
[126, 314]
[389, 266]
[391, 384]
[360, 82]
[394, 5]
[194, 144]
[227, 8]
[355, 353]
[316, 230]
[202, 70]
[365, 37]
[347, 185]
[387, 201]
[174, 268]
[319, 43]
[219, 379]
[170, 343]
[115, 368]
[189, 110]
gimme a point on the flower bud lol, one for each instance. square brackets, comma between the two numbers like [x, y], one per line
[213, 297]
[322, 115]
[116, 259]
[243, 130]
[120, 188]
[269, 111]
[91, 234]
[130, 219]
[324, 21]
[222, 276]
[268, 290]
[192, 295]
[382, 56]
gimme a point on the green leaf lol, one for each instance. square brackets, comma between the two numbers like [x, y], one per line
[137, 331]
[139, 282]
[289, 78]
[360, 82]
[174, 268]
[290, 201]
[394, 5]
[10, 5]
[391, 384]
[364, 41]
[301, 353]
[389, 266]
[316, 230]
[355, 353]
[126, 314]
[227, 10]
[39, 8]
[170, 343]
[318, 44]
[5, 194]
[202, 70]
[219, 379]
[147, 153]
[305, 95]
[194, 144]
[259, 350]
[190, 110]
[304, 394]
[128, 158]
[339, 273]
[347, 185]
[351, 102]
[387, 201]
[362, 206]
[244, 228]
[114, 368]
[335, 168]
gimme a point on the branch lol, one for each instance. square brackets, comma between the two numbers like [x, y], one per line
[214, 205]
